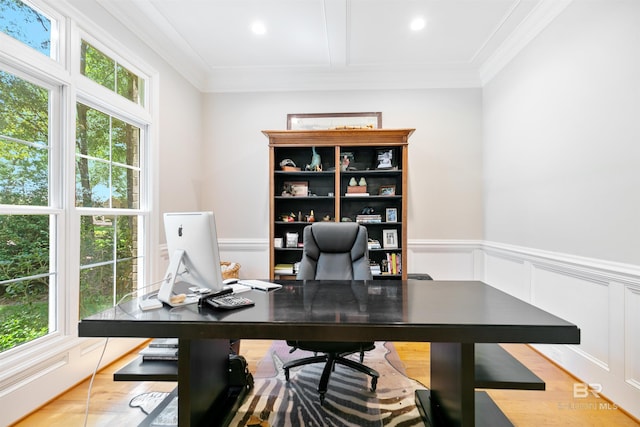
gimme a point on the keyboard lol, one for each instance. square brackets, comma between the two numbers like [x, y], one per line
[260, 284]
[228, 302]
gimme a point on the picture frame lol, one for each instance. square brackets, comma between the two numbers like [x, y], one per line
[390, 239]
[325, 121]
[291, 240]
[386, 159]
[387, 190]
[391, 214]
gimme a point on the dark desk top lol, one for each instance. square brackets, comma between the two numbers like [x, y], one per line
[412, 310]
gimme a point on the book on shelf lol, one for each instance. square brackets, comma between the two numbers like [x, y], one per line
[373, 244]
[283, 269]
[159, 353]
[375, 269]
[356, 194]
[394, 262]
[164, 342]
[368, 219]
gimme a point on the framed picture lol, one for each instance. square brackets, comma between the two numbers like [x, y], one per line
[295, 188]
[390, 239]
[291, 240]
[323, 121]
[385, 159]
[387, 190]
[392, 215]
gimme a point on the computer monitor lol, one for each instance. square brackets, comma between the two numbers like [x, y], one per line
[194, 258]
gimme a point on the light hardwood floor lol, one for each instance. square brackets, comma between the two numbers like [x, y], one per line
[553, 407]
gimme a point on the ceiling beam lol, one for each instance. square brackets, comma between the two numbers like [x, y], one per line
[336, 24]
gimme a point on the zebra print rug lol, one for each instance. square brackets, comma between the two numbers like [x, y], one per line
[275, 402]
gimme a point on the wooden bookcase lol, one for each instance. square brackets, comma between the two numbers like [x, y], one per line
[326, 190]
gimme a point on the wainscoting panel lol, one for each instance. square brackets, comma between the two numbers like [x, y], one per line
[580, 300]
[601, 297]
[632, 338]
[444, 260]
[507, 273]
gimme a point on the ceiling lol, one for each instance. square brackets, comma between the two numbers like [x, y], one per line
[335, 44]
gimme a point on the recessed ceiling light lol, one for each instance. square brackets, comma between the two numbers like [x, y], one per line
[417, 24]
[258, 28]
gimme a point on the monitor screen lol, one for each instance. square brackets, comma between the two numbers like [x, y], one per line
[193, 252]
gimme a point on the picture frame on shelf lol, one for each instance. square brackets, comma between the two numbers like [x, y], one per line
[390, 239]
[391, 214]
[291, 240]
[385, 159]
[387, 190]
[324, 121]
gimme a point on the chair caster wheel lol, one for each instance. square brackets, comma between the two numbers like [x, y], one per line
[286, 374]
[374, 383]
[321, 399]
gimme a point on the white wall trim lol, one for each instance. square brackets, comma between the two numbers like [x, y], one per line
[607, 270]
[531, 26]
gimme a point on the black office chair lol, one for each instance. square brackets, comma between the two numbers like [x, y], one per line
[334, 251]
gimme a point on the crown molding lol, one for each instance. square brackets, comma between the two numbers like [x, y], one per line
[539, 18]
[284, 79]
[168, 44]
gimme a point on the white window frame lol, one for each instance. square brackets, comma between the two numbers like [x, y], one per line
[67, 86]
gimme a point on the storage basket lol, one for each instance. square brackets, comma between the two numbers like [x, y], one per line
[230, 270]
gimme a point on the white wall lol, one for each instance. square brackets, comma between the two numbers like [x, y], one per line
[445, 160]
[561, 134]
[562, 206]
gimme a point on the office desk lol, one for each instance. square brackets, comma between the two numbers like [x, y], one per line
[452, 315]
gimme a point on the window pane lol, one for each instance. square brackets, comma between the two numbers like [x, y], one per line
[92, 132]
[24, 278]
[106, 182]
[96, 240]
[107, 72]
[125, 188]
[104, 281]
[130, 85]
[97, 66]
[96, 289]
[24, 130]
[125, 143]
[23, 174]
[26, 25]
[92, 183]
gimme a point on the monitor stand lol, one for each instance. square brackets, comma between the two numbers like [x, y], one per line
[166, 289]
[168, 283]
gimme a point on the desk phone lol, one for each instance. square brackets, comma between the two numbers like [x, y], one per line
[228, 301]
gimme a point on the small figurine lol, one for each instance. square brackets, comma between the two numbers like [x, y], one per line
[362, 182]
[287, 164]
[315, 164]
[345, 163]
[352, 182]
[287, 190]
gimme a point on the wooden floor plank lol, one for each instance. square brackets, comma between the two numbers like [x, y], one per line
[109, 403]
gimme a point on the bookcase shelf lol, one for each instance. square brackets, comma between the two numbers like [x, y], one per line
[323, 192]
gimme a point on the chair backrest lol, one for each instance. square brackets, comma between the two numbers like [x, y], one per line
[335, 251]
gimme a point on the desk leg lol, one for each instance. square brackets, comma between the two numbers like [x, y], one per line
[202, 381]
[453, 383]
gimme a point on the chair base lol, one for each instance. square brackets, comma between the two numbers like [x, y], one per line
[330, 359]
